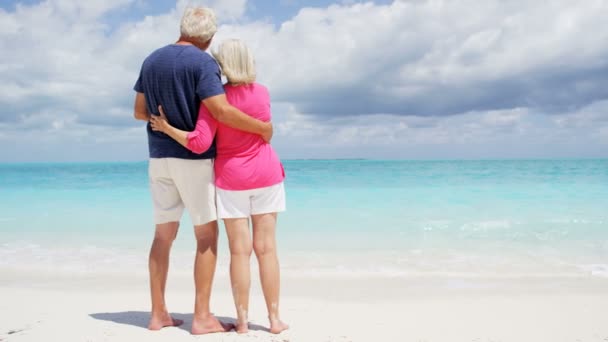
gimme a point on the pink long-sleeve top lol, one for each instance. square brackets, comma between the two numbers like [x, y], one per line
[244, 160]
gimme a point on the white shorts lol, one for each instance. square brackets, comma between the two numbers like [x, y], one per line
[244, 203]
[176, 184]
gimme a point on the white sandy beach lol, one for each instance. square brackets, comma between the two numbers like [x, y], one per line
[115, 308]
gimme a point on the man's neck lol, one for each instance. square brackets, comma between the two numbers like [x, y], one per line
[191, 41]
[183, 42]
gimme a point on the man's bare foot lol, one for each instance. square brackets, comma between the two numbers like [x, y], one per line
[165, 320]
[242, 327]
[209, 324]
[277, 326]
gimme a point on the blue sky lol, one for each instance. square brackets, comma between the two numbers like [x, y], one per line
[427, 79]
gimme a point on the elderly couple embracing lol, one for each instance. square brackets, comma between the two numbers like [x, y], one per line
[210, 154]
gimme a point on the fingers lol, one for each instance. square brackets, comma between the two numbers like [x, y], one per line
[269, 132]
[154, 123]
[162, 112]
[157, 122]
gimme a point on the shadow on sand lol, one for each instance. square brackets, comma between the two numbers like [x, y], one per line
[140, 319]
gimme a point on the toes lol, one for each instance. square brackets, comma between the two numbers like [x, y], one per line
[171, 322]
[154, 327]
[278, 328]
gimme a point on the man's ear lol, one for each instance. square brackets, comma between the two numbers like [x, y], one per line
[207, 44]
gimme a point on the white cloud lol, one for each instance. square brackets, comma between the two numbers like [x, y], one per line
[398, 58]
[60, 55]
[592, 121]
[513, 133]
[347, 76]
[587, 117]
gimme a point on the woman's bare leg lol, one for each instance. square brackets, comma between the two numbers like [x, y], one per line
[264, 245]
[239, 239]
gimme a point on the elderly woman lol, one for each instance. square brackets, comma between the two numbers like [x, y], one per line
[249, 180]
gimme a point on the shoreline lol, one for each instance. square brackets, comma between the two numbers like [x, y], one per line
[318, 287]
[116, 308]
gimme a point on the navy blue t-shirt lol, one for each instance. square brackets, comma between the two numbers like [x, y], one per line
[178, 77]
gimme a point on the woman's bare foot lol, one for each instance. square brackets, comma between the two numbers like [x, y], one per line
[242, 323]
[209, 324]
[277, 326]
[242, 327]
[165, 320]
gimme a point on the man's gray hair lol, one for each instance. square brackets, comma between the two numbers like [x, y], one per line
[198, 23]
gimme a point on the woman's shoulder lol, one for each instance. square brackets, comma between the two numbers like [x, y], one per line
[256, 88]
[260, 88]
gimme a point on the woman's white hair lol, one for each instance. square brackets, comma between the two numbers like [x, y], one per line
[236, 61]
[198, 23]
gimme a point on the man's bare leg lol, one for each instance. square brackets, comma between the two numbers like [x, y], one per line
[239, 239]
[203, 321]
[264, 245]
[158, 265]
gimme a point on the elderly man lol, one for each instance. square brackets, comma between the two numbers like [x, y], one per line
[182, 77]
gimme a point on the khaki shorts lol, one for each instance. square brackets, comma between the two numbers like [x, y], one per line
[176, 184]
[244, 203]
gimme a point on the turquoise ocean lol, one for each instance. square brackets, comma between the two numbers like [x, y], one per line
[345, 218]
